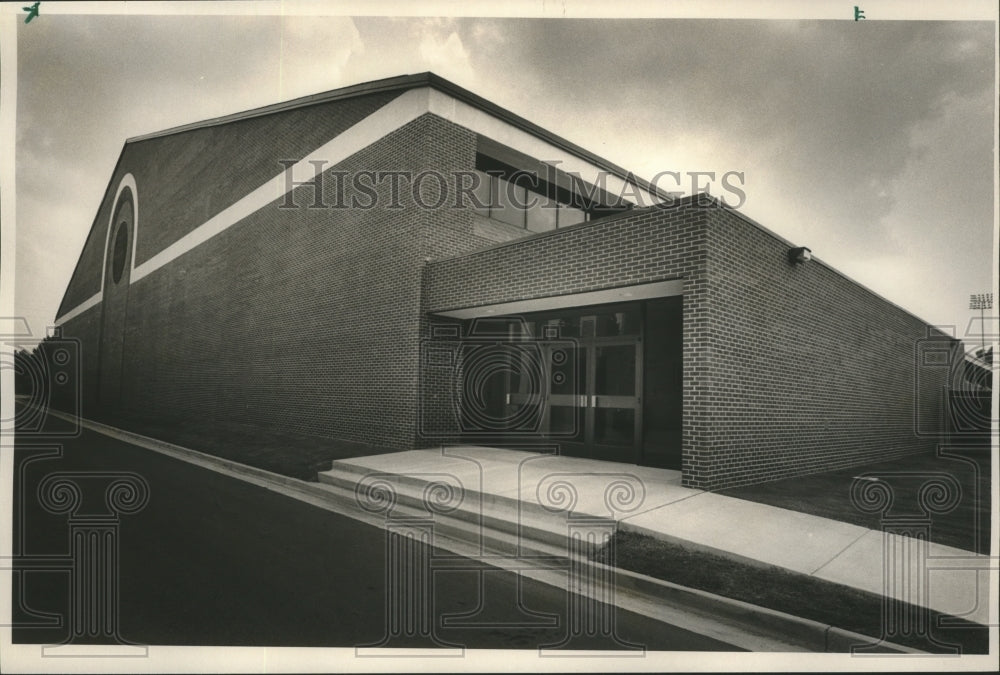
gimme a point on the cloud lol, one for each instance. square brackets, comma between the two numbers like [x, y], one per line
[443, 52]
[843, 131]
[942, 214]
[485, 33]
[315, 53]
[45, 257]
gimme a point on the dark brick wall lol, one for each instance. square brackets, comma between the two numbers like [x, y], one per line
[87, 329]
[186, 178]
[788, 370]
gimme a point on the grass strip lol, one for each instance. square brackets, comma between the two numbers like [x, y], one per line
[784, 591]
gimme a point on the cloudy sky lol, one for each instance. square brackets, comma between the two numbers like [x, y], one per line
[871, 142]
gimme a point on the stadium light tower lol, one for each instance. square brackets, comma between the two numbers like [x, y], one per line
[981, 301]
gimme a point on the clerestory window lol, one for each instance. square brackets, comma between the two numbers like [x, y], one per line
[527, 200]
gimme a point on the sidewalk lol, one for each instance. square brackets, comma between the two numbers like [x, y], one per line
[869, 560]
[652, 502]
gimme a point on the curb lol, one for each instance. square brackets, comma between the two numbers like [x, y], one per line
[813, 635]
[760, 621]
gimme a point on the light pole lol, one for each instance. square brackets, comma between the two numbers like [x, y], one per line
[981, 301]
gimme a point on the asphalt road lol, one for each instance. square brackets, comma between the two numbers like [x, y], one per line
[211, 560]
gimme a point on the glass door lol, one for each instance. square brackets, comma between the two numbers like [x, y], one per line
[566, 401]
[614, 412]
[592, 403]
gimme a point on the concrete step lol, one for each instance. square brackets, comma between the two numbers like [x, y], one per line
[478, 541]
[504, 523]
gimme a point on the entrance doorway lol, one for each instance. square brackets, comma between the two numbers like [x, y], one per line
[591, 380]
[603, 382]
[602, 379]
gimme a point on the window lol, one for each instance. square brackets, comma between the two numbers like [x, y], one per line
[483, 191]
[571, 216]
[527, 200]
[511, 199]
[120, 252]
[541, 214]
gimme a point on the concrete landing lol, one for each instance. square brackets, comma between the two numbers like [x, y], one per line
[652, 501]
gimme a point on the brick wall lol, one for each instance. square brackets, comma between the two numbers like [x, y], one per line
[302, 319]
[811, 371]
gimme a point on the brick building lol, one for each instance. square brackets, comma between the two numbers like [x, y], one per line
[403, 264]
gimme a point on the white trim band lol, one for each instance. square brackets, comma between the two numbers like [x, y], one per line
[659, 289]
[92, 301]
[398, 112]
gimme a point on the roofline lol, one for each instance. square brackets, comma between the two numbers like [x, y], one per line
[401, 83]
[79, 258]
[816, 260]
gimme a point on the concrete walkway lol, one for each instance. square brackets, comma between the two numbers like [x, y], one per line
[651, 501]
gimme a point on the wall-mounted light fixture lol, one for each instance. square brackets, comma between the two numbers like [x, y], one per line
[800, 254]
